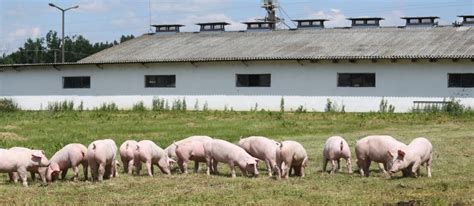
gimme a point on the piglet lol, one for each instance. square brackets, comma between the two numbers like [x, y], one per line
[70, 156]
[101, 156]
[418, 153]
[222, 151]
[291, 155]
[150, 153]
[336, 148]
[127, 150]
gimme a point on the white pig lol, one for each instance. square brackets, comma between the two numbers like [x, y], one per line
[101, 155]
[336, 148]
[222, 151]
[41, 171]
[291, 155]
[171, 150]
[20, 162]
[374, 148]
[190, 150]
[127, 150]
[70, 156]
[150, 153]
[262, 148]
[418, 153]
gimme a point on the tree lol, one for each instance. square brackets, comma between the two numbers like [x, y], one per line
[48, 49]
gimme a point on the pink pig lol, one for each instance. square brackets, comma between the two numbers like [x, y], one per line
[191, 150]
[418, 153]
[263, 149]
[127, 150]
[150, 153]
[70, 156]
[101, 156]
[291, 156]
[336, 148]
[20, 161]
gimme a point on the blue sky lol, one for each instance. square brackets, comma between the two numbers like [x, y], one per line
[107, 20]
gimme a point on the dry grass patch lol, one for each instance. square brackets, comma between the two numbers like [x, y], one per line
[11, 136]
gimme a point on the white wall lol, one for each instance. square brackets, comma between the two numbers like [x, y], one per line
[308, 85]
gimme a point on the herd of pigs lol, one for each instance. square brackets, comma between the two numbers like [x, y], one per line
[283, 158]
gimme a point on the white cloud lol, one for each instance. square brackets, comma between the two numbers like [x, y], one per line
[191, 20]
[187, 5]
[32, 32]
[335, 16]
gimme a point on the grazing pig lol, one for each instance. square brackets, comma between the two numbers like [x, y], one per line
[127, 150]
[291, 155]
[374, 148]
[101, 156]
[41, 171]
[418, 153]
[171, 150]
[336, 148]
[70, 156]
[263, 149]
[148, 152]
[191, 150]
[222, 151]
[21, 161]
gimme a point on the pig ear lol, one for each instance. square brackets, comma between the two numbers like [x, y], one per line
[389, 154]
[401, 154]
[36, 154]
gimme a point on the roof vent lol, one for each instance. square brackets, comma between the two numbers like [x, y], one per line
[420, 21]
[167, 27]
[213, 26]
[310, 23]
[467, 20]
[366, 22]
[259, 25]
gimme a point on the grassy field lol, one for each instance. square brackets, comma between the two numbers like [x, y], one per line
[452, 138]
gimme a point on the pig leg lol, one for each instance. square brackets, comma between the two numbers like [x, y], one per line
[333, 169]
[196, 166]
[129, 167]
[138, 167]
[182, 166]
[75, 171]
[33, 176]
[101, 172]
[415, 168]
[84, 170]
[148, 168]
[428, 165]
[288, 168]
[325, 163]
[349, 165]
[63, 174]
[209, 165]
[13, 177]
[302, 171]
[23, 176]
[214, 167]
[338, 165]
[269, 168]
[232, 169]
[125, 164]
[364, 165]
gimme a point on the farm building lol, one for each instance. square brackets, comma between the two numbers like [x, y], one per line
[416, 65]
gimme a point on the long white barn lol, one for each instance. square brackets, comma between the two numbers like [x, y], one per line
[353, 67]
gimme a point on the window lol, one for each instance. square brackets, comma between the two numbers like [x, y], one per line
[371, 22]
[265, 25]
[316, 23]
[167, 81]
[253, 80]
[469, 19]
[426, 21]
[207, 27]
[218, 26]
[162, 28]
[305, 23]
[461, 80]
[413, 21]
[76, 82]
[359, 22]
[356, 80]
[172, 28]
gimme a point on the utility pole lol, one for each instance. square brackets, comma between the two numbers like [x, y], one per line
[62, 39]
[270, 6]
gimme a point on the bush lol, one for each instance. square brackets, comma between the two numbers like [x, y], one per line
[64, 106]
[139, 107]
[107, 107]
[7, 105]
[384, 107]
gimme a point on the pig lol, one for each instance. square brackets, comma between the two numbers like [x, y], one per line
[222, 151]
[127, 150]
[171, 150]
[374, 148]
[150, 153]
[70, 156]
[191, 150]
[101, 157]
[41, 171]
[21, 161]
[418, 153]
[336, 148]
[291, 155]
[263, 149]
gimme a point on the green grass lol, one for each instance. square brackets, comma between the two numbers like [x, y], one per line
[452, 138]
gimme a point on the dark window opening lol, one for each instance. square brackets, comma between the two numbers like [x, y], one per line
[253, 80]
[461, 80]
[356, 80]
[76, 82]
[168, 81]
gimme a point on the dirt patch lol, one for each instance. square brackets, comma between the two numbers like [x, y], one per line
[10, 127]
[11, 136]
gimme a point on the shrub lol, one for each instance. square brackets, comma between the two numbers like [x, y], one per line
[384, 107]
[107, 107]
[63, 106]
[282, 105]
[139, 107]
[158, 104]
[7, 105]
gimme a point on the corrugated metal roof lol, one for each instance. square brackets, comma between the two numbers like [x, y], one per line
[381, 43]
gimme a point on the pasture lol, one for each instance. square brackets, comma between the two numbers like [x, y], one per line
[452, 138]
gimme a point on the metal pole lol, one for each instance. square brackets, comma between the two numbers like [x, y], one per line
[62, 49]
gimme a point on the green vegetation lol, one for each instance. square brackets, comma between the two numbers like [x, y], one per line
[451, 135]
